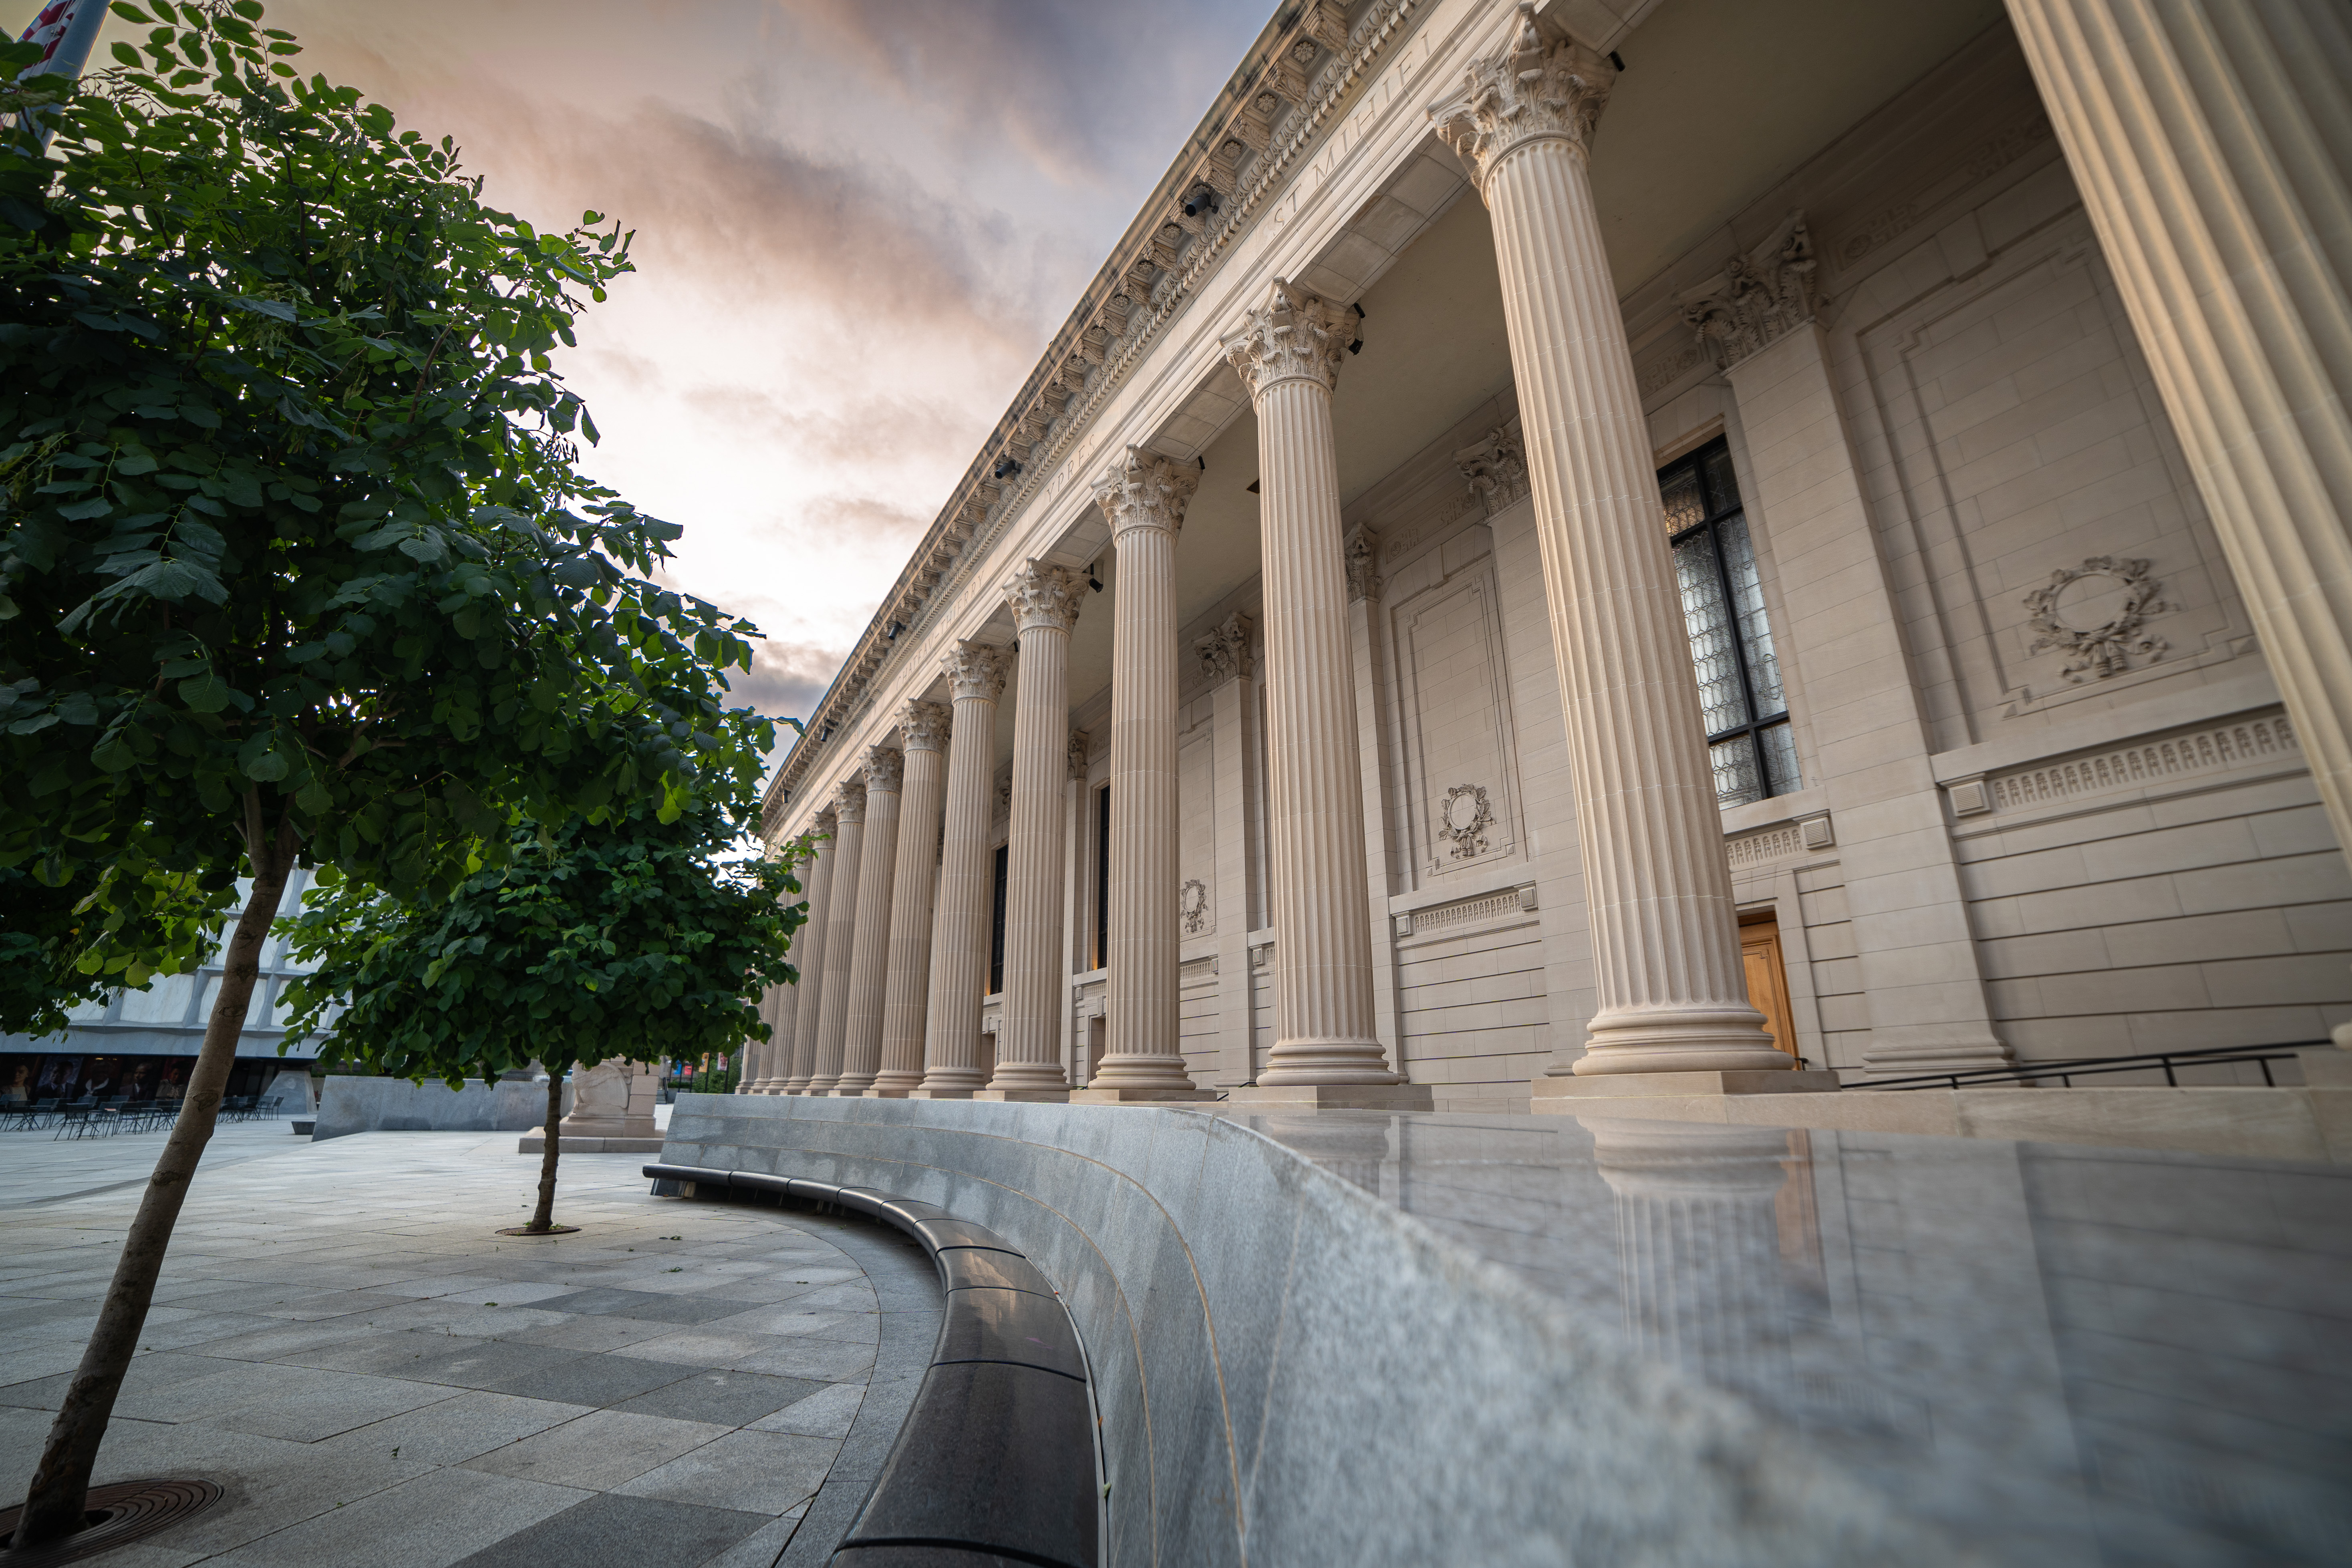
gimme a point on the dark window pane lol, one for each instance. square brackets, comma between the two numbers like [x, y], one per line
[1684, 507]
[996, 928]
[1709, 617]
[1736, 779]
[1722, 485]
[1747, 600]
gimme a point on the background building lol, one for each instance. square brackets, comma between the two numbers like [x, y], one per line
[143, 1043]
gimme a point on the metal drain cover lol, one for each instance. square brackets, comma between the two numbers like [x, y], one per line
[118, 1514]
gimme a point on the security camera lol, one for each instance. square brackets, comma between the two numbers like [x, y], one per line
[1005, 468]
[1203, 199]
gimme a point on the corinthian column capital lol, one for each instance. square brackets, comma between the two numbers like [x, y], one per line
[1295, 335]
[923, 726]
[975, 671]
[884, 766]
[1043, 595]
[1533, 90]
[849, 802]
[1145, 491]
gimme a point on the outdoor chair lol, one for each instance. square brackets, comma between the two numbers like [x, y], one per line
[74, 1121]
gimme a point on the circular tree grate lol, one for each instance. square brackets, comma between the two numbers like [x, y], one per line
[118, 1514]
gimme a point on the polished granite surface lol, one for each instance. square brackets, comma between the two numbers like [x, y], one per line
[2062, 1354]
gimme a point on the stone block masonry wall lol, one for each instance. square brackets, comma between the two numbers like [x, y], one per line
[1471, 1001]
[2197, 912]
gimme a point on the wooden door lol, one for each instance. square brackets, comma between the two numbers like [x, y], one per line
[1768, 981]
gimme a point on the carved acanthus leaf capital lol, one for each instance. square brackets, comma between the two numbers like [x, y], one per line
[1757, 297]
[1043, 595]
[1145, 489]
[923, 726]
[1362, 553]
[1496, 467]
[1534, 91]
[849, 802]
[1224, 650]
[1295, 335]
[884, 767]
[976, 671]
[826, 821]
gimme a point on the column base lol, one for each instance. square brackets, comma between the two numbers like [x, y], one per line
[1305, 1063]
[1332, 1097]
[1152, 1073]
[1561, 1095]
[1023, 1095]
[1119, 1094]
[949, 1092]
[894, 1086]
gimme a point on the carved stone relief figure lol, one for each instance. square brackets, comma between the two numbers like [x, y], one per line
[1225, 650]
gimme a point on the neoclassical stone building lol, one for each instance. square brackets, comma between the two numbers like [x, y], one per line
[1627, 537]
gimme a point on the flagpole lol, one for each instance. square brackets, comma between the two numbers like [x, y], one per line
[68, 28]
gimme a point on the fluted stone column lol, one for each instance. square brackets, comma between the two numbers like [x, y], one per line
[923, 731]
[808, 1005]
[1143, 499]
[2212, 142]
[960, 928]
[869, 961]
[840, 929]
[1666, 943]
[1045, 601]
[1289, 355]
[771, 1060]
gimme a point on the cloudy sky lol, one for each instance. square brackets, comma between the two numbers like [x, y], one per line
[858, 222]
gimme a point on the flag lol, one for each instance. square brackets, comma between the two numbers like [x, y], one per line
[64, 29]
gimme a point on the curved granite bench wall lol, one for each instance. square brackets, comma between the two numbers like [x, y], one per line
[1289, 1371]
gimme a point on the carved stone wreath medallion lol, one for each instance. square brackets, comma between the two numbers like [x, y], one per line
[2096, 615]
[1192, 903]
[1464, 817]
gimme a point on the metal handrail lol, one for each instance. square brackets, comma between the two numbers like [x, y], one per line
[2066, 1072]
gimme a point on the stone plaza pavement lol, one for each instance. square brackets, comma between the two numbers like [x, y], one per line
[342, 1342]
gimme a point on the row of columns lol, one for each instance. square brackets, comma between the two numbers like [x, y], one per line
[1671, 991]
[2254, 382]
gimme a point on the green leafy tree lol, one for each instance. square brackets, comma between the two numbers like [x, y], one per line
[110, 928]
[296, 566]
[636, 939]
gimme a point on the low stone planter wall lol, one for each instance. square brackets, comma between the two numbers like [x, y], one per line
[351, 1105]
[1290, 1372]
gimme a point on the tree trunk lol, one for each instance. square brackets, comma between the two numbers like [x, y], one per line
[57, 1501]
[544, 1217]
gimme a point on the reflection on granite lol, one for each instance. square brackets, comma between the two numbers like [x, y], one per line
[2065, 1356]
